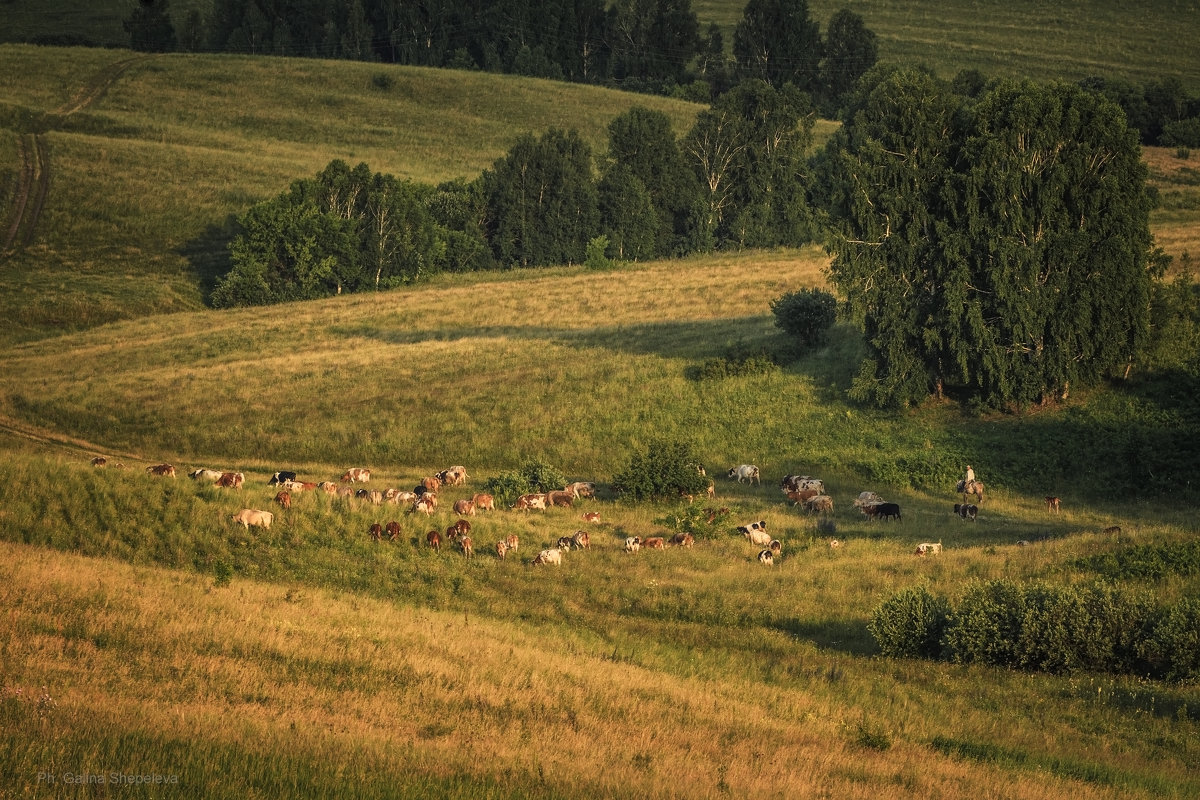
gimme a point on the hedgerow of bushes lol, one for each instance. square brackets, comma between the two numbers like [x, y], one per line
[1045, 628]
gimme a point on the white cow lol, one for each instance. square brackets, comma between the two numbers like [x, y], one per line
[745, 472]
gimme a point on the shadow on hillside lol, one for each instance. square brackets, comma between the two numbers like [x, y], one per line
[842, 635]
[208, 254]
[675, 339]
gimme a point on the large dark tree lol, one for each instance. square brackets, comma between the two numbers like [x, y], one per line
[541, 199]
[149, 27]
[778, 42]
[850, 51]
[652, 39]
[999, 247]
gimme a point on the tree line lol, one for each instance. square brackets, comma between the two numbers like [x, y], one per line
[654, 46]
[993, 242]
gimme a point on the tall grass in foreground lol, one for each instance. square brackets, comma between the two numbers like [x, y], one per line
[296, 691]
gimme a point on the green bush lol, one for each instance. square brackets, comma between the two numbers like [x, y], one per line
[666, 469]
[910, 623]
[806, 315]
[534, 476]
[986, 625]
[1173, 646]
[700, 522]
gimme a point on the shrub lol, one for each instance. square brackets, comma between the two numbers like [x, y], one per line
[986, 626]
[736, 367]
[533, 476]
[666, 469]
[696, 520]
[1173, 646]
[806, 315]
[910, 623]
[596, 255]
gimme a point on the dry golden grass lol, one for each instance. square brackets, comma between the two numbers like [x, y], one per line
[260, 667]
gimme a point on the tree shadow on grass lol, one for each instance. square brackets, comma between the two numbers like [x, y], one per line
[849, 636]
[208, 254]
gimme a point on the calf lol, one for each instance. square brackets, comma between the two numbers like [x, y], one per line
[563, 499]
[592, 516]
[501, 549]
[776, 547]
[284, 499]
[393, 530]
[164, 470]
[564, 543]
[801, 496]
[466, 545]
[967, 511]
[682, 539]
[654, 543]
[633, 544]
[766, 557]
[433, 539]
[376, 531]
[581, 540]
[99, 461]
[928, 548]
[512, 541]
[1053, 504]
[484, 502]
[465, 508]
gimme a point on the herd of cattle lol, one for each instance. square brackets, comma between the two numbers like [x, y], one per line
[803, 491]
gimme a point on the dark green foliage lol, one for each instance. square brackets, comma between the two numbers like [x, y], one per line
[542, 202]
[1149, 562]
[627, 215]
[664, 470]
[652, 40]
[910, 623]
[715, 369]
[850, 51]
[985, 626]
[1174, 645]
[805, 315]
[343, 231]
[149, 27]
[999, 246]
[534, 476]
[1183, 133]
[778, 42]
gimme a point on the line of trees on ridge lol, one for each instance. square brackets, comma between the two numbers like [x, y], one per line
[993, 244]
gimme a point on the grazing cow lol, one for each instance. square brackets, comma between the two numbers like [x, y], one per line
[433, 539]
[284, 499]
[966, 511]
[757, 536]
[250, 516]
[745, 472]
[501, 549]
[467, 547]
[766, 557]
[356, 475]
[633, 544]
[801, 496]
[231, 480]
[592, 516]
[431, 484]
[375, 498]
[654, 543]
[761, 525]
[1114, 530]
[564, 543]
[399, 498]
[164, 470]
[822, 504]
[512, 541]
[580, 489]
[376, 531]
[484, 502]
[581, 540]
[99, 461]
[562, 499]
[328, 487]
[882, 511]
[345, 491]
[867, 499]
[392, 529]
[206, 475]
[1024, 543]
[776, 547]
[281, 477]
[460, 528]
[551, 556]
[528, 501]
[454, 476]
[796, 483]
[928, 548]
[464, 508]
[1053, 504]
[682, 539]
[834, 544]
[426, 503]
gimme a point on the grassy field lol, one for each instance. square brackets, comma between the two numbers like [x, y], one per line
[146, 634]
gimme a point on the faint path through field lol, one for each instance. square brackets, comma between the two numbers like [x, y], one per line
[32, 433]
[33, 176]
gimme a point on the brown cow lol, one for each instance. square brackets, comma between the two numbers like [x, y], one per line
[592, 516]
[165, 470]
[683, 540]
[99, 461]
[654, 543]
[357, 475]
[464, 508]
[563, 499]
[284, 499]
[434, 539]
[484, 502]
[376, 531]
[467, 548]
[393, 530]
[231, 480]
